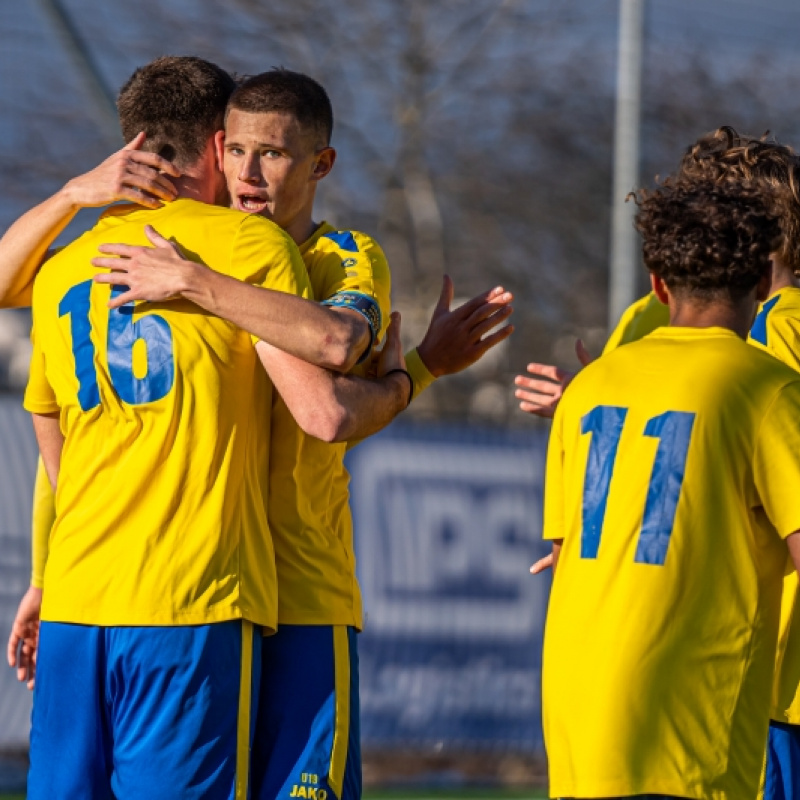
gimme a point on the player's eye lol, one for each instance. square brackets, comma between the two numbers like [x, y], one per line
[272, 153]
[235, 151]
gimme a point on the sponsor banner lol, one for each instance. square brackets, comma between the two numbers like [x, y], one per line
[447, 524]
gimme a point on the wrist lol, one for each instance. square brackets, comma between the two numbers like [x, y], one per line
[195, 283]
[68, 196]
[404, 381]
[426, 357]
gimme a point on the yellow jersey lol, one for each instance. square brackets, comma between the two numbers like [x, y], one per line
[309, 513]
[672, 475]
[160, 503]
[640, 318]
[777, 330]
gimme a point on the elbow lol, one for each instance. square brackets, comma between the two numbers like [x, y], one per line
[344, 347]
[328, 424]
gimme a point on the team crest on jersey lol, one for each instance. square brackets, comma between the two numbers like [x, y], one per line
[348, 262]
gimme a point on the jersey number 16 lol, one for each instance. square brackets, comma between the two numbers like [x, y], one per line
[123, 333]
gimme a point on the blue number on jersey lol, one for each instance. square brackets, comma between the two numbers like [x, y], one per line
[605, 424]
[123, 333]
[76, 303]
[673, 429]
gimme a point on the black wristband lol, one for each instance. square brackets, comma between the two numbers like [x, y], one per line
[410, 382]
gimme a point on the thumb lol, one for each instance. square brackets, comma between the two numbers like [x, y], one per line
[156, 238]
[393, 331]
[445, 296]
[137, 141]
[584, 356]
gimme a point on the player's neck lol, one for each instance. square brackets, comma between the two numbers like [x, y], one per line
[736, 317]
[782, 279]
[301, 228]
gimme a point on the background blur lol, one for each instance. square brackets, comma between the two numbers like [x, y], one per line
[474, 137]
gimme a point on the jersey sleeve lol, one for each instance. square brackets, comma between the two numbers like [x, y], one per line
[640, 318]
[776, 466]
[39, 395]
[554, 518]
[356, 276]
[783, 339]
[420, 375]
[43, 517]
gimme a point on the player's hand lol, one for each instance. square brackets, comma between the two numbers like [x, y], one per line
[156, 274]
[390, 356]
[457, 339]
[542, 394]
[542, 564]
[23, 642]
[129, 174]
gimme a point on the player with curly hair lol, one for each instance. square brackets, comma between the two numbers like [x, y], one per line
[672, 492]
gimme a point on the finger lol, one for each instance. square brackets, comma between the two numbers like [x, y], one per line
[114, 278]
[492, 297]
[493, 339]
[121, 299]
[545, 412]
[393, 331]
[542, 564]
[445, 296]
[486, 309]
[118, 249]
[492, 321]
[137, 141]
[147, 181]
[155, 161]
[139, 197]
[158, 240]
[547, 371]
[584, 356]
[537, 398]
[11, 651]
[540, 387]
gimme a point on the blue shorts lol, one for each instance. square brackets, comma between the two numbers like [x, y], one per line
[782, 774]
[143, 712]
[307, 738]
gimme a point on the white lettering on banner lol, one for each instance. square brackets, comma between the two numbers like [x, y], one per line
[445, 536]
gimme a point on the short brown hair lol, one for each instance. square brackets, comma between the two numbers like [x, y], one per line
[708, 240]
[179, 102]
[725, 155]
[288, 92]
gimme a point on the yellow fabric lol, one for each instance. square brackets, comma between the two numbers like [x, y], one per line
[243, 721]
[656, 677]
[43, 516]
[341, 733]
[160, 501]
[782, 328]
[309, 513]
[640, 318]
[418, 371]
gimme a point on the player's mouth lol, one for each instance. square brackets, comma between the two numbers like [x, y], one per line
[251, 203]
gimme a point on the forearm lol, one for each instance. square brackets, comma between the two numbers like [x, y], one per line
[307, 330]
[24, 246]
[333, 407]
[43, 518]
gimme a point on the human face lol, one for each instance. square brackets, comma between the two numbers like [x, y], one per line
[271, 167]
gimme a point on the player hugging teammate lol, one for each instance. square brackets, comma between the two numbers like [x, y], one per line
[672, 479]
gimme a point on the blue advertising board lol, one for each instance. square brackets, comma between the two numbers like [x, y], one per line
[447, 523]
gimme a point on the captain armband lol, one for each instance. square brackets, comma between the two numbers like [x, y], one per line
[366, 306]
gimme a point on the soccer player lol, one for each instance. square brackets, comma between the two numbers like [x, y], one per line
[276, 151]
[307, 739]
[672, 492]
[150, 422]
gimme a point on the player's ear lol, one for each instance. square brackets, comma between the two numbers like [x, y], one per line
[219, 147]
[323, 163]
[764, 285]
[659, 288]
